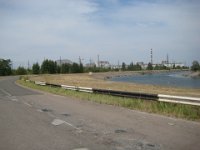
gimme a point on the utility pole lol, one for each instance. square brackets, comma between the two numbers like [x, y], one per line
[79, 60]
[98, 60]
[90, 62]
[28, 65]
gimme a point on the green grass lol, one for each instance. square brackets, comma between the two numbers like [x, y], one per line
[168, 109]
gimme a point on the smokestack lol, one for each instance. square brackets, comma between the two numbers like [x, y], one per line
[167, 59]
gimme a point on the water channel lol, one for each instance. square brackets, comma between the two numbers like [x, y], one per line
[170, 79]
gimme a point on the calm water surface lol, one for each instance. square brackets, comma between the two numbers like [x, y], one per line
[175, 79]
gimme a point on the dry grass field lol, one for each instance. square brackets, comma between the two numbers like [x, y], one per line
[99, 80]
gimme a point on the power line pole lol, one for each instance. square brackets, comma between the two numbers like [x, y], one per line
[79, 60]
[98, 60]
[90, 62]
[28, 65]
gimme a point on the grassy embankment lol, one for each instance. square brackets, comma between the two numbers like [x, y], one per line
[167, 109]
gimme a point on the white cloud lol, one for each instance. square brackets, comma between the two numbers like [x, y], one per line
[74, 28]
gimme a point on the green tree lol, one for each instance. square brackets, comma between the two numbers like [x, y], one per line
[48, 66]
[131, 66]
[195, 66]
[21, 71]
[138, 67]
[5, 67]
[160, 67]
[149, 67]
[75, 68]
[81, 68]
[65, 68]
[174, 67]
[58, 69]
[123, 66]
[36, 68]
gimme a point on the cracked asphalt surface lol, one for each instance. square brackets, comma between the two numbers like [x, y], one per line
[36, 120]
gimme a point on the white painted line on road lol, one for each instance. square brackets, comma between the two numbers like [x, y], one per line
[27, 104]
[57, 122]
[69, 124]
[14, 99]
[171, 124]
[5, 92]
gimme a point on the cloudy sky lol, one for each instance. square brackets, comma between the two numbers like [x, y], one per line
[116, 30]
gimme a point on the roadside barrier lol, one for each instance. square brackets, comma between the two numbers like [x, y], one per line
[155, 97]
[179, 99]
[127, 94]
[53, 85]
[40, 83]
[67, 87]
[74, 88]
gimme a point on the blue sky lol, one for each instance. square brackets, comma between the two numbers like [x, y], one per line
[117, 30]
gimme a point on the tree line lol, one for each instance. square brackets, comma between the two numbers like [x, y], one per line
[47, 67]
[51, 67]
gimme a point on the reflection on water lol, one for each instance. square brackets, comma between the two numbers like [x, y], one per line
[175, 79]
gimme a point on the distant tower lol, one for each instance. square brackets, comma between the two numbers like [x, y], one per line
[151, 56]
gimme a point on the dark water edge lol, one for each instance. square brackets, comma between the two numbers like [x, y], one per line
[169, 79]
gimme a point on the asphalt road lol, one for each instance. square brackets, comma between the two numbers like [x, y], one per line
[33, 120]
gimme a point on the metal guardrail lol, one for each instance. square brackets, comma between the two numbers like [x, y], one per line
[127, 94]
[67, 87]
[81, 89]
[53, 85]
[179, 99]
[40, 83]
[156, 97]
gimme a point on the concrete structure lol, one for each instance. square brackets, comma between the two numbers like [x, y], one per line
[171, 65]
[163, 63]
[104, 64]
